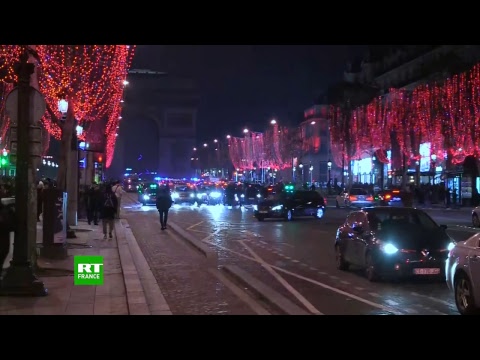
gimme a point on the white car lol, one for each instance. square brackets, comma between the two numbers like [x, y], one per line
[476, 217]
[462, 272]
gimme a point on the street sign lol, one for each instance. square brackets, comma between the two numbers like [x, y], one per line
[37, 106]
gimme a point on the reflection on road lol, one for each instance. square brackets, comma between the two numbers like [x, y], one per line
[297, 260]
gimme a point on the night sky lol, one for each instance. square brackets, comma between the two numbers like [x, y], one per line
[247, 85]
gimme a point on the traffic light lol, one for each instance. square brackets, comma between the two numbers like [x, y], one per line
[289, 188]
[4, 159]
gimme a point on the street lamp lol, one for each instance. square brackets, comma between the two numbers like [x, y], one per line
[245, 131]
[215, 141]
[311, 174]
[301, 168]
[434, 166]
[194, 149]
[313, 123]
[329, 167]
[273, 122]
[205, 145]
[228, 136]
[63, 106]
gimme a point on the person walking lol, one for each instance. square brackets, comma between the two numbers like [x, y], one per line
[40, 188]
[93, 202]
[164, 203]
[108, 211]
[118, 191]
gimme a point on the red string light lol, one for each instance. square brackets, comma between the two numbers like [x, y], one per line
[446, 115]
[92, 74]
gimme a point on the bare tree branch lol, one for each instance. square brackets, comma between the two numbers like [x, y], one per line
[54, 117]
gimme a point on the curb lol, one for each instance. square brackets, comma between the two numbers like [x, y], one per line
[273, 297]
[144, 296]
[210, 254]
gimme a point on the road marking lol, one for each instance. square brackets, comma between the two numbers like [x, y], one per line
[302, 264]
[282, 281]
[391, 302]
[195, 225]
[294, 261]
[359, 288]
[288, 257]
[345, 282]
[313, 269]
[440, 301]
[312, 281]
[285, 244]
[322, 273]
[334, 277]
[374, 295]
[242, 295]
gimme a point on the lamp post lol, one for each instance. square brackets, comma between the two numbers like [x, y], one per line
[329, 168]
[434, 166]
[301, 168]
[19, 278]
[311, 174]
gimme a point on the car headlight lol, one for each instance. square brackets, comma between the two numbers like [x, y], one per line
[192, 195]
[236, 197]
[389, 249]
[277, 208]
[242, 196]
[255, 207]
[450, 246]
[201, 195]
[215, 195]
[259, 196]
[146, 197]
[174, 195]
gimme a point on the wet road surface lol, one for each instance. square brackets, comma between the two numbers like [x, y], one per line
[296, 259]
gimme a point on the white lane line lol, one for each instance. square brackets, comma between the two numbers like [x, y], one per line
[322, 273]
[195, 225]
[392, 303]
[313, 269]
[294, 261]
[305, 265]
[345, 282]
[282, 281]
[374, 295]
[312, 281]
[359, 288]
[334, 277]
[288, 257]
[440, 301]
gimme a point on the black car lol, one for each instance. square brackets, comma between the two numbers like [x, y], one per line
[291, 205]
[392, 242]
[148, 194]
[252, 195]
[209, 195]
[232, 195]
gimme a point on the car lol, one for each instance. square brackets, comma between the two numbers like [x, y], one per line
[288, 206]
[148, 194]
[391, 242]
[476, 217]
[252, 195]
[184, 193]
[462, 272]
[390, 197]
[356, 197]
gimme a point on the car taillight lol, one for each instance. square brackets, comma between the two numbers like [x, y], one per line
[353, 198]
[388, 196]
[370, 198]
[396, 191]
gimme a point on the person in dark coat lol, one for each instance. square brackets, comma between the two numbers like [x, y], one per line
[7, 225]
[164, 203]
[108, 210]
[93, 202]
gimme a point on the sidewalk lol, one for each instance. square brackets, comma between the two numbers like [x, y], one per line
[129, 285]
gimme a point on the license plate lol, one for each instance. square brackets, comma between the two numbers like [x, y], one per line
[263, 212]
[434, 271]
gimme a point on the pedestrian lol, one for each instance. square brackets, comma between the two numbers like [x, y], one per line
[7, 225]
[93, 202]
[108, 211]
[118, 191]
[164, 203]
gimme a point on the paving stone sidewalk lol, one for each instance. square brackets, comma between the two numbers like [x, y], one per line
[127, 289]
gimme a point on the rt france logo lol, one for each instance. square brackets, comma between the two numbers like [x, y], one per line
[88, 270]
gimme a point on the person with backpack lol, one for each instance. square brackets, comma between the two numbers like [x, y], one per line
[118, 191]
[108, 211]
[164, 203]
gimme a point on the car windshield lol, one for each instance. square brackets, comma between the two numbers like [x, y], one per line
[384, 219]
[358, 192]
[183, 189]
[308, 195]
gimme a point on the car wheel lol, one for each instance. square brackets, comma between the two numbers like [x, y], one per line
[464, 295]
[475, 220]
[260, 218]
[370, 269]
[340, 261]
[289, 215]
[337, 205]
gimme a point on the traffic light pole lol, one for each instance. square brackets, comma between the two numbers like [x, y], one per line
[20, 279]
